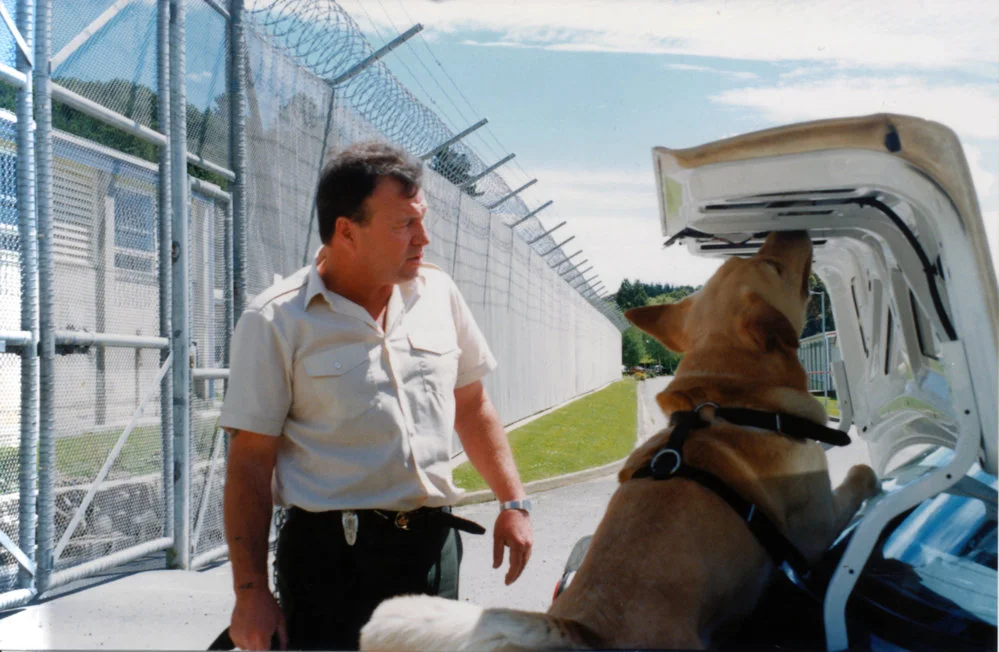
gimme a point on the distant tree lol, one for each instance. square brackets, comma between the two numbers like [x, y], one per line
[635, 294]
[455, 167]
[632, 348]
[657, 353]
[631, 295]
[671, 294]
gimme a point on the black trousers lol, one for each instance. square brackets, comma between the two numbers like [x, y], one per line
[328, 589]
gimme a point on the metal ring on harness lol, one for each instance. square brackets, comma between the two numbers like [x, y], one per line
[697, 410]
[656, 473]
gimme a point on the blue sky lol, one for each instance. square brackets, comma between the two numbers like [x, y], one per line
[581, 92]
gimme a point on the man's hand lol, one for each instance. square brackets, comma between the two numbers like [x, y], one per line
[255, 619]
[512, 530]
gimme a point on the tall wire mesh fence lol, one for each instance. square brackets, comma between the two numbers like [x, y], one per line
[323, 38]
[109, 496]
[10, 362]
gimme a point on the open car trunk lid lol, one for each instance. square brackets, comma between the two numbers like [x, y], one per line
[899, 243]
[900, 246]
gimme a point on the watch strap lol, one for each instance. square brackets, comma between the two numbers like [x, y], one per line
[523, 504]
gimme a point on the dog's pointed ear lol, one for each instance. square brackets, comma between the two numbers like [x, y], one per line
[665, 322]
[766, 326]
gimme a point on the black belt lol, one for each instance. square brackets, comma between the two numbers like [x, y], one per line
[413, 520]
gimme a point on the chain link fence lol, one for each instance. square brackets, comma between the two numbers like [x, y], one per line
[110, 485]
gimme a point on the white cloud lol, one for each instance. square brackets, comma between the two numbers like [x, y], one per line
[984, 178]
[495, 44]
[852, 33]
[734, 74]
[972, 110]
[629, 247]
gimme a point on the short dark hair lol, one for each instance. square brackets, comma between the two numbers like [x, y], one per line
[350, 178]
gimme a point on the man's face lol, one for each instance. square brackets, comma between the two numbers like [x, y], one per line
[390, 245]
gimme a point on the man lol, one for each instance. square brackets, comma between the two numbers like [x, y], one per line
[346, 381]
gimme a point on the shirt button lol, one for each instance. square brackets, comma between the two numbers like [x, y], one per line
[336, 365]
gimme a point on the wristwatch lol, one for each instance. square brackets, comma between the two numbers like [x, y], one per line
[524, 505]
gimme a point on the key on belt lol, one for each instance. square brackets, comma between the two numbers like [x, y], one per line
[349, 520]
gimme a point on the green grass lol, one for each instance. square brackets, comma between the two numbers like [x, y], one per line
[80, 457]
[589, 432]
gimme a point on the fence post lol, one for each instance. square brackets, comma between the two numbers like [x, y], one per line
[237, 152]
[180, 554]
[28, 235]
[457, 234]
[164, 197]
[46, 290]
[489, 245]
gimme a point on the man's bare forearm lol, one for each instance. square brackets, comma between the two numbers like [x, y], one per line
[248, 506]
[484, 440]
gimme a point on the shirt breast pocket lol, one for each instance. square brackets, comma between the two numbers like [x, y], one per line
[436, 353]
[341, 379]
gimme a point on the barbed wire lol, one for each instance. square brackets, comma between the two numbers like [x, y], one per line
[326, 40]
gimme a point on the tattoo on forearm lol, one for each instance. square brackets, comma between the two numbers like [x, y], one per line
[247, 585]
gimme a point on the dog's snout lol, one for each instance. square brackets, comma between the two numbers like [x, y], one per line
[786, 244]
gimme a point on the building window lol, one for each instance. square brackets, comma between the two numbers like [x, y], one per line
[134, 231]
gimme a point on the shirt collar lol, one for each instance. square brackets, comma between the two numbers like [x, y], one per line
[314, 284]
[408, 291]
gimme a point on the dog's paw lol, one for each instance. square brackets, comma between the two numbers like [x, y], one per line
[864, 479]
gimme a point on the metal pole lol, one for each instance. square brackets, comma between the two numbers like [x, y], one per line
[569, 279]
[165, 264]
[46, 295]
[489, 246]
[584, 282]
[532, 214]
[378, 54]
[319, 177]
[559, 245]
[489, 169]
[512, 194]
[88, 32]
[452, 140]
[28, 234]
[551, 230]
[573, 268]
[237, 149]
[179, 555]
[12, 76]
[457, 236]
[104, 114]
[566, 259]
[23, 47]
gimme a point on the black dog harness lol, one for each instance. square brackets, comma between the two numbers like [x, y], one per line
[668, 463]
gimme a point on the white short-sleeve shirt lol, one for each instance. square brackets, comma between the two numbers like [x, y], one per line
[365, 413]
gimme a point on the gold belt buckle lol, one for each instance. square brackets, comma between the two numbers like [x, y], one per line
[402, 520]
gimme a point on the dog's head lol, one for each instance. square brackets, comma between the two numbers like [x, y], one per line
[756, 304]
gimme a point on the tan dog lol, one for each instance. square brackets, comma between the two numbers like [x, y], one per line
[671, 563]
